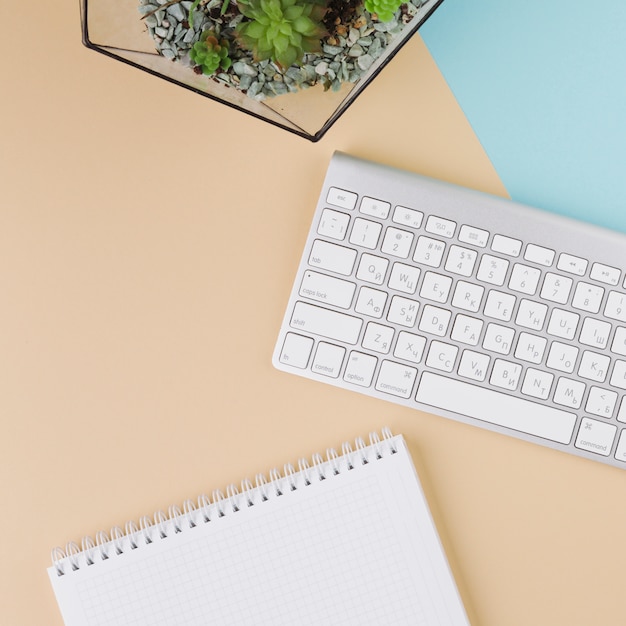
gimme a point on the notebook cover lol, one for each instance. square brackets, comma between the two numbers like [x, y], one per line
[544, 87]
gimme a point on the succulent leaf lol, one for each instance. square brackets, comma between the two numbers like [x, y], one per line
[281, 30]
[304, 25]
[293, 12]
[384, 9]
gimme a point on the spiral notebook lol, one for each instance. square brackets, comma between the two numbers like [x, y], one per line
[343, 539]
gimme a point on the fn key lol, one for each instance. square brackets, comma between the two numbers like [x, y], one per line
[296, 350]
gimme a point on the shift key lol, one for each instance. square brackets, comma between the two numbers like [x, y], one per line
[331, 324]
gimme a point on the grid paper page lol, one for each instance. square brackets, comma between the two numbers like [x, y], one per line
[356, 548]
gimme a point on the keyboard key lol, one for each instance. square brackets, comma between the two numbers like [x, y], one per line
[605, 274]
[530, 348]
[619, 341]
[594, 366]
[435, 320]
[372, 269]
[360, 369]
[563, 324]
[615, 308]
[587, 297]
[296, 350]
[403, 311]
[341, 198]
[539, 255]
[498, 338]
[467, 329]
[601, 402]
[441, 356]
[556, 288]
[371, 302]
[496, 408]
[505, 374]
[595, 436]
[328, 359]
[595, 333]
[409, 347]
[524, 279]
[440, 226]
[531, 314]
[331, 324]
[436, 287]
[499, 305]
[404, 277]
[365, 233]
[461, 261]
[492, 270]
[618, 376]
[562, 357]
[407, 217]
[375, 208]
[620, 453]
[537, 383]
[572, 264]
[397, 242]
[396, 379]
[569, 392]
[333, 224]
[468, 296]
[331, 257]
[473, 365]
[476, 236]
[334, 291]
[429, 251]
[378, 338]
[506, 245]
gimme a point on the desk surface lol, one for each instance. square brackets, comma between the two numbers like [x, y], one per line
[148, 241]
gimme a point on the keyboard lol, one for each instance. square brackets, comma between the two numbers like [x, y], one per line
[465, 305]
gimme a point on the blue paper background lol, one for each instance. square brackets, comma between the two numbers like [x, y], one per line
[543, 85]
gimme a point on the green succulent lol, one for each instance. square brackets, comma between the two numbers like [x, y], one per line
[210, 53]
[384, 9]
[281, 30]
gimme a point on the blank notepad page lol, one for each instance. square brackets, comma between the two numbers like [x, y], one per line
[347, 540]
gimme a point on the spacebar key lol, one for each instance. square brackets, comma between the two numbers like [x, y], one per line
[496, 408]
[325, 322]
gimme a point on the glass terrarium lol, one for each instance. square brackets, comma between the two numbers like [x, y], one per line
[297, 64]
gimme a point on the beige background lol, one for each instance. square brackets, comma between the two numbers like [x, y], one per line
[148, 241]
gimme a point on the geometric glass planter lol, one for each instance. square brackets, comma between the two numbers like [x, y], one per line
[352, 46]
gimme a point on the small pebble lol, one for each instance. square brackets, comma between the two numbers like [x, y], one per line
[243, 69]
[332, 50]
[176, 11]
[321, 68]
[365, 62]
[355, 51]
[189, 37]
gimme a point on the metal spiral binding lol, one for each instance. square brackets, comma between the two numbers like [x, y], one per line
[162, 524]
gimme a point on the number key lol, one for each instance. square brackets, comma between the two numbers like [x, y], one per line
[397, 242]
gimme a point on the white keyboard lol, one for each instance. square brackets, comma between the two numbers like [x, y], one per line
[464, 305]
